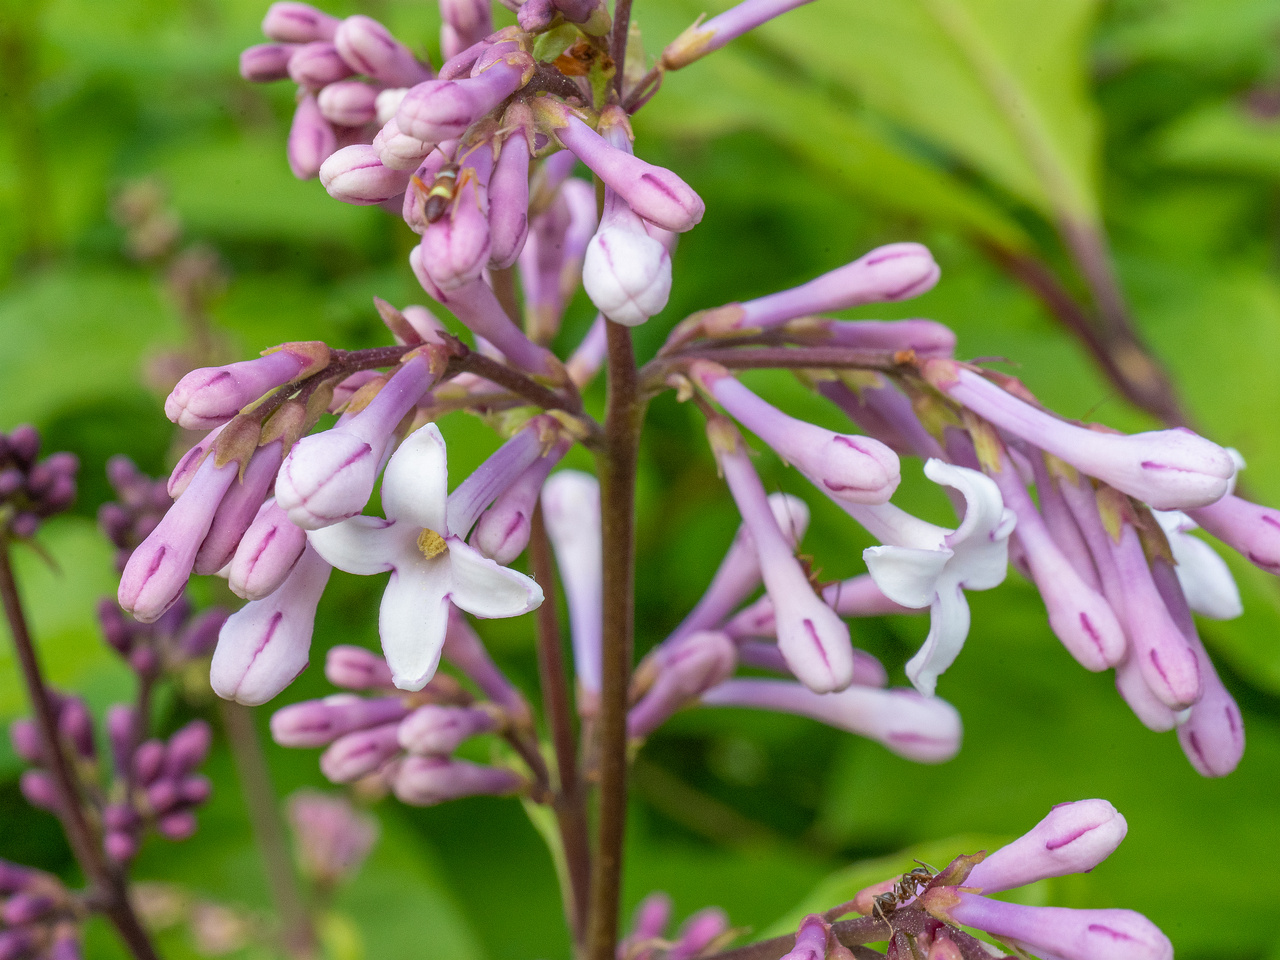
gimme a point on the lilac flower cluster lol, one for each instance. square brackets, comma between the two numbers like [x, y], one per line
[31, 489]
[331, 838]
[39, 917]
[702, 933]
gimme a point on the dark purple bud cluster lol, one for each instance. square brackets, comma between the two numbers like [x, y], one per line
[39, 917]
[167, 645]
[31, 490]
[142, 502]
[150, 783]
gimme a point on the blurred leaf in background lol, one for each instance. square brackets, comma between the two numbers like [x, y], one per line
[993, 130]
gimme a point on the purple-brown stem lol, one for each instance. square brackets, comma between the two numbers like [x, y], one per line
[570, 798]
[616, 467]
[268, 829]
[110, 893]
[618, 41]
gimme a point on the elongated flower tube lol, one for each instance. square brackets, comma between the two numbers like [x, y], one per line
[1079, 616]
[1168, 469]
[698, 933]
[356, 175]
[347, 103]
[465, 22]
[1250, 529]
[476, 306]
[648, 924]
[266, 553]
[329, 476]
[682, 671]
[1056, 932]
[509, 195]
[158, 570]
[1166, 659]
[551, 261]
[812, 940]
[1212, 736]
[298, 23]
[266, 62]
[571, 510]
[369, 48]
[211, 396]
[884, 412]
[311, 139]
[703, 38]
[360, 753]
[844, 467]
[434, 730]
[498, 473]
[464, 649]
[455, 248]
[653, 192]
[317, 723]
[924, 729]
[426, 781]
[266, 643]
[356, 668]
[1072, 838]
[238, 508]
[503, 530]
[739, 571]
[430, 566]
[922, 565]
[867, 670]
[443, 109]
[898, 271]
[1204, 576]
[812, 637]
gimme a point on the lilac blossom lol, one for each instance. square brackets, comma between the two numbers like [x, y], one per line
[211, 396]
[317, 64]
[298, 23]
[509, 193]
[443, 109]
[430, 565]
[466, 22]
[502, 532]
[924, 729]
[703, 38]
[356, 174]
[368, 47]
[551, 261]
[922, 565]
[270, 547]
[426, 781]
[435, 730]
[681, 672]
[1072, 838]
[331, 838]
[348, 103]
[1250, 529]
[455, 248]
[311, 139]
[1204, 577]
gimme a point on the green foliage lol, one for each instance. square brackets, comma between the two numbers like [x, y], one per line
[846, 123]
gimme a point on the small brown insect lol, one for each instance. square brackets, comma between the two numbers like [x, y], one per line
[909, 886]
[435, 199]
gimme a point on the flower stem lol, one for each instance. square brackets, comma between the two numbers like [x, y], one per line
[570, 800]
[618, 41]
[111, 893]
[616, 466]
[268, 828]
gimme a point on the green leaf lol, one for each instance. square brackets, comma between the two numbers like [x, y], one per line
[1223, 138]
[733, 91]
[1001, 89]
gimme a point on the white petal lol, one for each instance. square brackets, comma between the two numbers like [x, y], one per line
[1205, 578]
[415, 486]
[906, 575]
[948, 628]
[412, 621]
[361, 545]
[981, 542]
[484, 589]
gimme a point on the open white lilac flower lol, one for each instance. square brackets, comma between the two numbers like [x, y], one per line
[430, 565]
[923, 565]
[1204, 576]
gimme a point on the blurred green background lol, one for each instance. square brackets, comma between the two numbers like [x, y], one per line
[971, 125]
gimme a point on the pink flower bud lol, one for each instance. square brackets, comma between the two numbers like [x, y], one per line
[653, 192]
[443, 109]
[455, 248]
[703, 38]
[1251, 529]
[267, 552]
[311, 139]
[1168, 469]
[368, 47]
[356, 668]
[265, 645]
[502, 532]
[238, 508]
[497, 473]
[845, 467]
[509, 200]
[317, 723]
[551, 261]
[924, 729]
[571, 509]
[187, 749]
[298, 23]
[426, 781]
[355, 175]
[360, 753]
[399, 151]
[317, 64]
[158, 570]
[466, 22]
[626, 273]
[330, 476]
[685, 670]
[811, 940]
[1073, 838]
[698, 933]
[266, 62]
[464, 649]
[211, 396]
[926, 338]
[435, 730]
[348, 103]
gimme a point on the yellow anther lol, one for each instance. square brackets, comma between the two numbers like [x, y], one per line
[431, 543]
